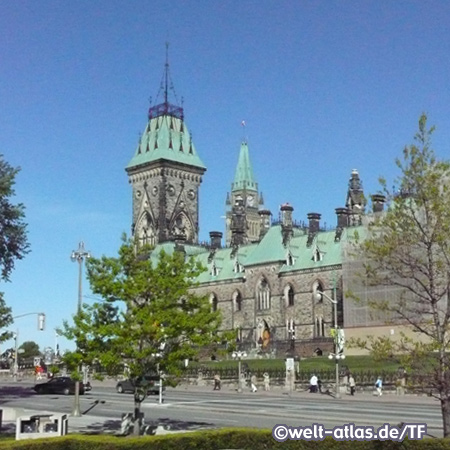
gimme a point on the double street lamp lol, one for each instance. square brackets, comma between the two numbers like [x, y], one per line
[79, 256]
[239, 355]
[338, 347]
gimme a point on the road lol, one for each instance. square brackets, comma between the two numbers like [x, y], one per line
[189, 408]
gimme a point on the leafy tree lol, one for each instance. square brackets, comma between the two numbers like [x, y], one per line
[407, 250]
[30, 349]
[149, 319]
[13, 237]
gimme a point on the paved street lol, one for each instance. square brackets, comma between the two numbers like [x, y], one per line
[193, 407]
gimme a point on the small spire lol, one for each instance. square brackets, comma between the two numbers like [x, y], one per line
[166, 75]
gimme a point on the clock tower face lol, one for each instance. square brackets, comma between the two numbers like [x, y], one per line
[250, 200]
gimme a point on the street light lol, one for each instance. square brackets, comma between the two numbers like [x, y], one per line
[41, 326]
[337, 355]
[79, 256]
[291, 331]
[239, 355]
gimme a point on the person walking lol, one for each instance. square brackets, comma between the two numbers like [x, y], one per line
[266, 381]
[253, 383]
[216, 382]
[352, 384]
[379, 386]
[313, 382]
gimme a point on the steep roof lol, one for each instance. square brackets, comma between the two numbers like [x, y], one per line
[225, 264]
[166, 137]
[244, 178]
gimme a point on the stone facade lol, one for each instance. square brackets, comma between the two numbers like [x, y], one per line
[275, 283]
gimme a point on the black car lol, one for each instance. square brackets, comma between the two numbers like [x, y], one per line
[60, 385]
[150, 382]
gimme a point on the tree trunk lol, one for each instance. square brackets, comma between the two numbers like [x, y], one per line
[445, 408]
[137, 414]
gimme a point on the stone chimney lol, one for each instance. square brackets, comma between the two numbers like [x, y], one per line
[314, 222]
[286, 215]
[265, 222]
[286, 222]
[378, 201]
[313, 227]
[342, 217]
[216, 239]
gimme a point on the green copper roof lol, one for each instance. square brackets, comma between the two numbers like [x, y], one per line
[243, 178]
[166, 137]
[223, 265]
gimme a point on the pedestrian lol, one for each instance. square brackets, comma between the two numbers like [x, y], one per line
[253, 383]
[266, 381]
[352, 384]
[243, 382]
[319, 384]
[379, 386]
[216, 382]
[313, 384]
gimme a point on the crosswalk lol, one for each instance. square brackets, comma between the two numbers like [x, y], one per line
[227, 408]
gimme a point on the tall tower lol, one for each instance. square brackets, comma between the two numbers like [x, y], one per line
[242, 218]
[165, 173]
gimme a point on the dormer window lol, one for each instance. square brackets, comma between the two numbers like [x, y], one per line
[214, 270]
[237, 267]
[317, 256]
[289, 260]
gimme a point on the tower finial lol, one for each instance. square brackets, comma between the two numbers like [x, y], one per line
[244, 136]
[166, 75]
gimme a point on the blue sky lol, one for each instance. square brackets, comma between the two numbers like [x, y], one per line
[324, 87]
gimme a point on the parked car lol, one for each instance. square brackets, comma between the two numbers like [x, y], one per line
[151, 382]
[60, 385]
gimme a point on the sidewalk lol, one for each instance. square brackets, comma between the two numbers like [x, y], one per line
[278, 391]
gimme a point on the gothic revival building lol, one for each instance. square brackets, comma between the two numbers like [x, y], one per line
[266, 277]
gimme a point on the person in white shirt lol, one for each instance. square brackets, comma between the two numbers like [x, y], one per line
[313, 382]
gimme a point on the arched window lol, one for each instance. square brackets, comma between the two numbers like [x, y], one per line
[320, 326]
[237, 301]
[263, 295]
[145, 230]
[288, 296]
[214, 301]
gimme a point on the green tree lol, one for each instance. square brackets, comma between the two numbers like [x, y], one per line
[407, 251]
[30, 349]
[13, 237]
[149, 318]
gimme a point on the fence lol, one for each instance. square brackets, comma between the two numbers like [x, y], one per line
[362, 377]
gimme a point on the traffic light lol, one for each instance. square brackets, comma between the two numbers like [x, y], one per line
[41, 321]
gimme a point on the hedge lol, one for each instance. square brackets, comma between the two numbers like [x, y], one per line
[228, 438]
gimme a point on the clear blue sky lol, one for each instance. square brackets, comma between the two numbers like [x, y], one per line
[324, 87]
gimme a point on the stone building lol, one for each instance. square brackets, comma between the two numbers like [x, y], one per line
[265, 277]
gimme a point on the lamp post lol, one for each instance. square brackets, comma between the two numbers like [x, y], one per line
[239, 355]
[79, 256]
[337, 355]
[291, 331]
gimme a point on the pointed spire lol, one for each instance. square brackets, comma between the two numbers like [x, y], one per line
[166, 75]
[244, 178]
